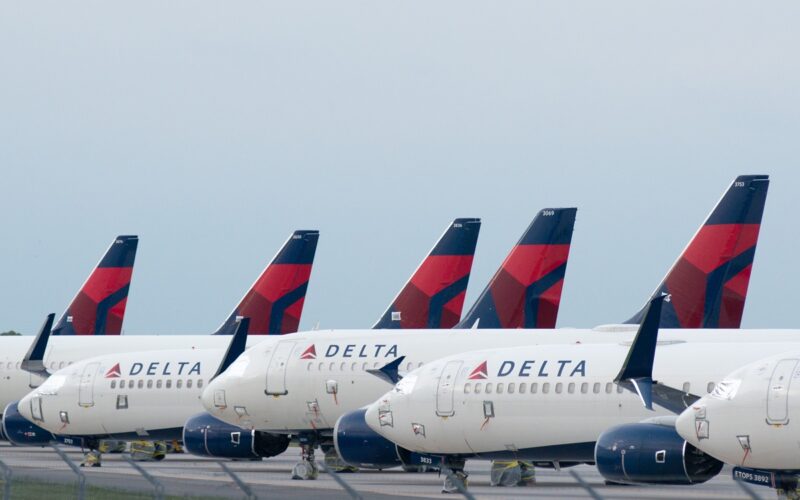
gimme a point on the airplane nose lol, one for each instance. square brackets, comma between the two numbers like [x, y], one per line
[371, 417]
[685, 425]
[207, 398]
[24, 407]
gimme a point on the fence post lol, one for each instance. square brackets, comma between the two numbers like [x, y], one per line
[6, 480]
[158, 488]
[241, 484]
[586, 486]
[346, 487]
[75, 469]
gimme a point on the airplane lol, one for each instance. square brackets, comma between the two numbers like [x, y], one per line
[97, 309]
[746, 421]
[274, 303]
[312, 380]
[560, 404]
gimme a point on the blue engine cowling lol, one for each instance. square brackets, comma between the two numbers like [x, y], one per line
[21, 431]
[206, 436]
[652, 454]
[360, 446]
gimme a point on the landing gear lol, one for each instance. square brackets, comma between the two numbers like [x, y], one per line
[456, 480]
[787, 488]
[93, 457]
[148, 451]
[512, 473]
[334, 463]
[306, 469]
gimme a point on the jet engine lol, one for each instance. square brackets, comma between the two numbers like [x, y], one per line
[21, 431]
[360, 446]
[206, 436]
[651, 453]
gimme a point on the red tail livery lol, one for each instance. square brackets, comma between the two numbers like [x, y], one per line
[99, 307]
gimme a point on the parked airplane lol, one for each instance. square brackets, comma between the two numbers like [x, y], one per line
[313, 380]
[747, 421]
[556, 404]
[97, 309]
[273, 303]
[273, 298]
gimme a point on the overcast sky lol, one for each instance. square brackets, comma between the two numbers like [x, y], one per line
[213, 129]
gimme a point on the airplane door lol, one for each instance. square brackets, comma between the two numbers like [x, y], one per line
[86, 386]
[276, 371]
[778, 392]
[444, 392]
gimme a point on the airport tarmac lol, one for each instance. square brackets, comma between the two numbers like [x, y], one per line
[183, 474]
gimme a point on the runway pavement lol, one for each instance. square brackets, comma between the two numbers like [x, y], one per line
[187, 475]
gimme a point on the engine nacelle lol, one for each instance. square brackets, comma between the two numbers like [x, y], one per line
[360, 446]
[652, 454]
[206, 436]
[21, 431]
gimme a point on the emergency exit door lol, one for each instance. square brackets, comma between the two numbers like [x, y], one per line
[276, 371]
[444, 392]
[778, 392]
[86, 386]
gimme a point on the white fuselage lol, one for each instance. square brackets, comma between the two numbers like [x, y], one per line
[284, 387]
[63, 351]
[753, 418]
[140, 394]
[536, 401]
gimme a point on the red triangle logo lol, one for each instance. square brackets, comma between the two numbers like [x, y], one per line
[480, 372]
[114, 372]
[309, 353]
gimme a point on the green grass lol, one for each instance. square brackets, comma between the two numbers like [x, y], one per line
[28, 489]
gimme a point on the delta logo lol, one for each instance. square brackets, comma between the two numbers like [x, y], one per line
[309, 353]
[480, 372]
[114, 372]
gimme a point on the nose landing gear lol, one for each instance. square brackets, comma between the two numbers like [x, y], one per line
[306, 469]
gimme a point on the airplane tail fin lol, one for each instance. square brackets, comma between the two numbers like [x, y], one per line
[708, 283]
[99, 306]
[434, 296]
[274, 303]
[526, 291]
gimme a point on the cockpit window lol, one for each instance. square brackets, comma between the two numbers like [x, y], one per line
[726, 389]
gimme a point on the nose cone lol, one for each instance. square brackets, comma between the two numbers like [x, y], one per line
[685, 425]
[24, 406]
[371, 417]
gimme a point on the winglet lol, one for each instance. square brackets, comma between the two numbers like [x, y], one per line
[390, 372]
[33, 361]
[637, 369]
[236, 347]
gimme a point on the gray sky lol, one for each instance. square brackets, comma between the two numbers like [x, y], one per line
[213, 129]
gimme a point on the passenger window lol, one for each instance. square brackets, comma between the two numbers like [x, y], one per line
[596, 388]
[150, 384]
[332, 366]
[130, 384]
[467, 388]
[61, 365]
[500, 388]
[584, 388]
[488, 387]
[158, 383]
[534, 387]
[200, 383]
[353, 367]
[121, 384]
[546, 388]
[169, 383]
[321, 366]
[619, 389]
[308, 367]
[113, 384]
[710, 387]
[686, 387]
[559, 385]
[477, 388]
[189, 384]
[522, 387]
[140, 384]
[343, 366]
[408, 368]
[419, 365]
[364, 367]
[511, 388]
[179, 384]
[609, 386]
[571, 388]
